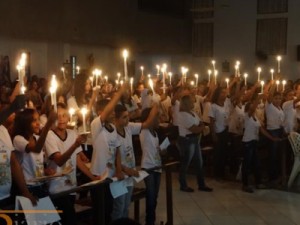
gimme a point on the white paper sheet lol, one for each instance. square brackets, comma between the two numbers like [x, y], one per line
[164, 145]
[142, 175]
[43, 213]
[118, 188]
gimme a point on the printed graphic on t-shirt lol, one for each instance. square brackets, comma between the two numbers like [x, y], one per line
[129, 158]
[70, 178]
[39, 168]
[5, 175]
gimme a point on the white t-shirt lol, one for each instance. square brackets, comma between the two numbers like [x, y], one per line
[146, 99]
[136, 99]
[55, 144]
[6, 147]
[251, 131]
[105, 144]
[150, 147]
[274, 116]
[290, 119]
[236, 120]
[175, 111]
[32, 163]
[164, 109]
[186, 121]
[126, 148]
[220, 114]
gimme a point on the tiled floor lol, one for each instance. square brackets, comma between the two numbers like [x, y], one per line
[227, 204]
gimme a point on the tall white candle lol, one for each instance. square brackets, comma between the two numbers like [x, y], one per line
[277, 85]
[238, 68]
[53, 89]
[125, 55]
[283, 85]
[170, 75]
[197, 77]
[272, 74]
[209, 73]
[245, 76]
[84, 112]
[216, 74]
[131, 85]
[213, 62]
[151, 85]
[278, 65]
[63, 72]
[258, 73]
[227, 82]
[77, 69]
[262, 86]
[158, 69]
[142, 69]
[192, 83]
[71, 112]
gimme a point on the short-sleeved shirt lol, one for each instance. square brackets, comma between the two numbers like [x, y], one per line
[32, 163]
[236, 120]
[186, 121]
[6, 147]
[290, 119]
[221, 115]
[105, 144]
[274, 116]
[150, 147]
[55, 144]
[251, 131]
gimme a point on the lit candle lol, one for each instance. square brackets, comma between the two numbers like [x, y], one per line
[283, 85]
[245, 76]
[258, 73]
[238, 68]
[170, 75]
[121, 82]
[84, 112]
[213, 63]
[21, 71]
[278, 60]
[262, 86]
[277, 84]
[63, 72]
[53, 89]
[142, 69]
[119, 75]
[125, 55]
[192, 83]
[78, 69]
[131, 85]
[151, 85]
[197, 77]
[71, 112]
[216, 74]
[23, 89]
[158, 69]
[106, 78]
[163, 70]
[209, 73]
[272, 74]
[227, 82]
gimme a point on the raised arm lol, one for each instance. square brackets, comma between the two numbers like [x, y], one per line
[153, 114]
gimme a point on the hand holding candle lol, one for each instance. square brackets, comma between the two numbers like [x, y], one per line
[84, 112]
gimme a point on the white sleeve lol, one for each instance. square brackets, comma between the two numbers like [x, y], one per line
[135, 128]
[20, 143]
[211, 111]
[96, 126]
[50, 144]
[186, 120]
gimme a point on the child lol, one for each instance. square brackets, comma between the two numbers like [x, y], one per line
[150, 160]
[125, 131]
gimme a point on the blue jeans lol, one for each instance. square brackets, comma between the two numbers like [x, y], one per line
[190, 149]
[274, 154]
[152, 183]
[250, 162]
[121, 205]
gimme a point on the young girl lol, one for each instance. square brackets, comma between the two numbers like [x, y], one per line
[29, 147]
[250, 141]
[150, 160]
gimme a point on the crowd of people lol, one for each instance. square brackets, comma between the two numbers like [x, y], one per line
[238, 120]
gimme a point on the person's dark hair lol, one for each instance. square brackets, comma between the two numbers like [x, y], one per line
[247, 106]
[124, 221]
[216, 94]
[62, 105]
[22, 124]
[119, 109]
[183, 102]
[276, 93]
[145, 114]
[100, 105]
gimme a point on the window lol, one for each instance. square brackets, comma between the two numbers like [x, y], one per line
[203, 39]
[271, 36]
[272, 6]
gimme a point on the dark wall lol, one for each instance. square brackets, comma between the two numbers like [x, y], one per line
[112, 23]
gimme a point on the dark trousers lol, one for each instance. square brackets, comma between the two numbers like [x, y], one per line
[66, 204]
[250, 162]
[220, 154]
[152, 183]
